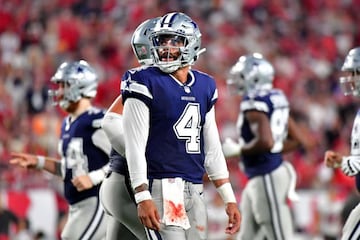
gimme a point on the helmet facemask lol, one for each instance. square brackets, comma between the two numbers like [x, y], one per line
[350, 73]
[177, 27]
[350, 82]
[236, 82]
[169, 51]
[65, 95]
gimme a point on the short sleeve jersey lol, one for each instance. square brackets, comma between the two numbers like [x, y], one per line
[275, 105]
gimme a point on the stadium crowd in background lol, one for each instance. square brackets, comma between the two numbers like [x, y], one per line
[306, 42]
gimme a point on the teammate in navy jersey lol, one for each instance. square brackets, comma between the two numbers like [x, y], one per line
[84, 150]
[171, 136]
[350, 165]
[116, 194]
[266, 131]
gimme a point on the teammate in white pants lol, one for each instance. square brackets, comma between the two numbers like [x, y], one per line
[350, 165]
[116, 194]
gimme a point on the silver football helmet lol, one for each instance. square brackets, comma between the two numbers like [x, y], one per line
[78, 79]
[350, 71]
[250, 73]
[175, 28]
[140, 41]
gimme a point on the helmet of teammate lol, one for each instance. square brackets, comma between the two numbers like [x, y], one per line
[350, 73]
[78, 80]
[140, 41]
[176, 28]
[250, 73]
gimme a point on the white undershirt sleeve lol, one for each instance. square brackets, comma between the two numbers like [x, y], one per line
[100, 140]
[215, 163]
[136, 131]
[112, 124]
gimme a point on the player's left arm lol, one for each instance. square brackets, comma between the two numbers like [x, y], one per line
[95, 177]
[297, 136]
[350, 165]
[112, 124]
[216, 168]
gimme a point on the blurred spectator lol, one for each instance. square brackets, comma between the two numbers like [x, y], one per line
[23, 231]
[8, 222]
[328, 206]
[36, 97]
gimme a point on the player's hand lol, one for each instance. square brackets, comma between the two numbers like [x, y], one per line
[332, 159]
[231, 148]
[351, 165]
[82, 182]
[234, 215]
[148, 214]
[24, 160]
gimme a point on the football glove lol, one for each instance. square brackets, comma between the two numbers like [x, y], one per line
[231, 148]
[350, 165]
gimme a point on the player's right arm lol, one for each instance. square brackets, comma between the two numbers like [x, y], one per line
[332, 159]
[31, 161]
[260, 127]
[136, 119]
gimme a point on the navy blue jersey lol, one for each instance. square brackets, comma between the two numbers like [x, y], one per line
[177, 115]
[118, 163]
[276, 107]
[78, 152]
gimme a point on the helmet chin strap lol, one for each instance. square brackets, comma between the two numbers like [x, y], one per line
[64, 104]
[168, 69]
[200, 52]
[173, 68]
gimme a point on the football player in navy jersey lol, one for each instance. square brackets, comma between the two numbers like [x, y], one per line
[83, 147]
[115, 193]
[266, 131]
[171, 136]
[350, 165]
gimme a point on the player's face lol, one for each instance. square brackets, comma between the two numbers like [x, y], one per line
[60, 96]
[169, 49]
[59, 92]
